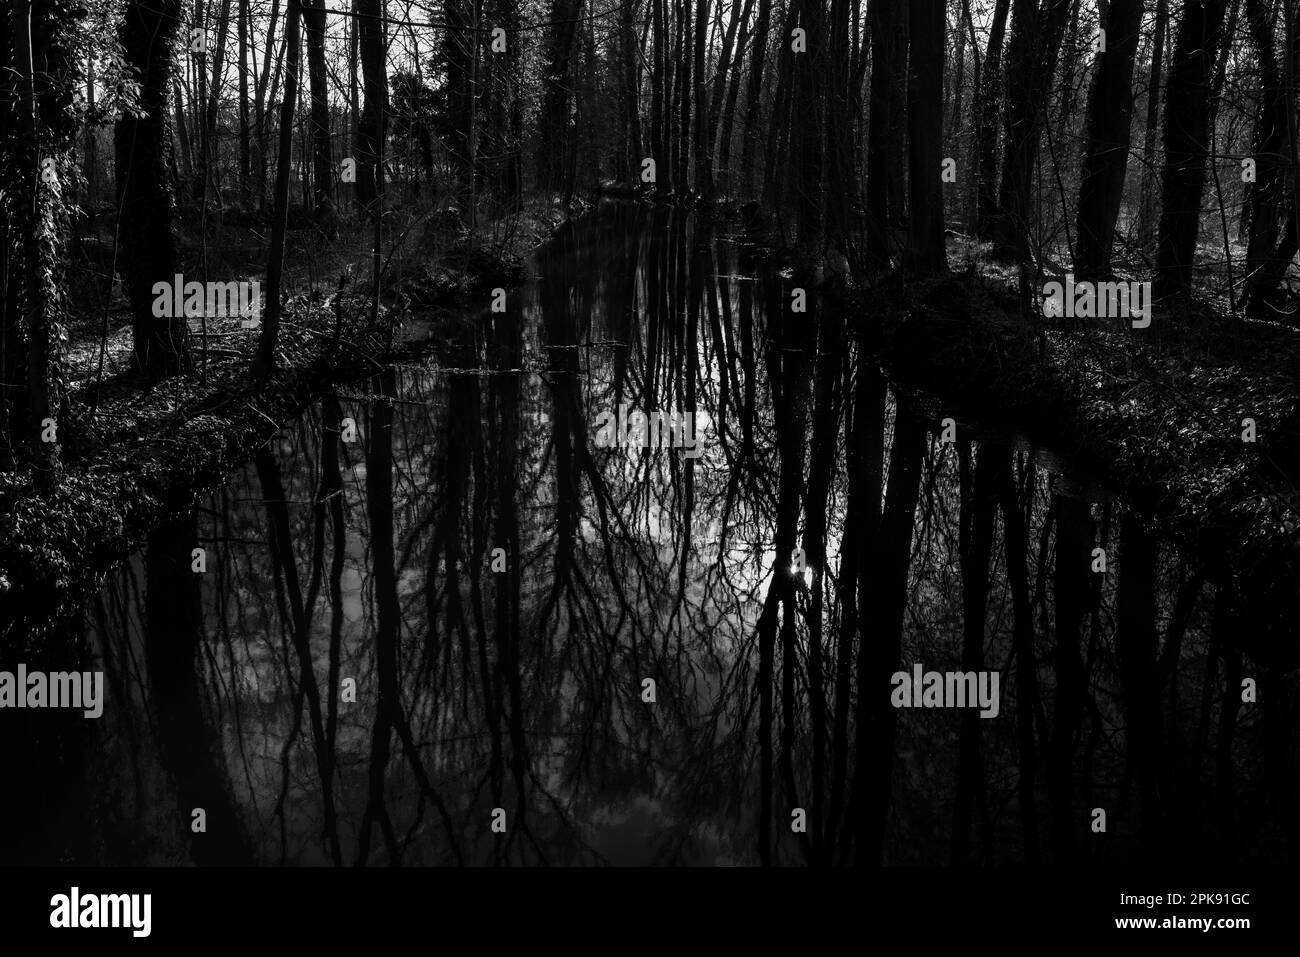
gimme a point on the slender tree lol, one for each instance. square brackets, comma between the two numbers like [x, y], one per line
[264, 362]
[1147, 211]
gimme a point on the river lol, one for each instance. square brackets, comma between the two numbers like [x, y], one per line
[442, 619]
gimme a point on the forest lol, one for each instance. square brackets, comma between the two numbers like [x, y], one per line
[311, 312]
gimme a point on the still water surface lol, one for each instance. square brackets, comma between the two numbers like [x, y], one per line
[354, 678]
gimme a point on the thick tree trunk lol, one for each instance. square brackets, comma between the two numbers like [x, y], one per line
[842, 124]
[555, 127]
[887, 52]
[148, 35]
[1110, 117]
[926, 252]
[41, 68]
[884, 606]
[372, 126]
[1031, 58]
[190, 746]
[1265, 196]
[990, 110]
[781, 125]
[322, 160]
[1186, 139]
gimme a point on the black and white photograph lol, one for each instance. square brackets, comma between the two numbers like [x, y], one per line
[778, 455]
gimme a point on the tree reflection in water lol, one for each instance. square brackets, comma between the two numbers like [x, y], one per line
[370, 564]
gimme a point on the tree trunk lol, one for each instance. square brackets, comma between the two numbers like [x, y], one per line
[213, 103]
[148, 35]
[842, 125]
[630, 94]
[322, 160]
[260, 108]
[554, 125]
[728, 81]
[978, 505]
[264, 363]
[926, 252]
[1136, 644]
[1074, 536]
[753, 101]
[1110, 118]
[990, 109]
[1016, 542]
[373, 123]
[91, 166]
[703, 128]
[42, 69]
[887, 52]
[1186, 135]
[1031, 58]
[884, 607]
[1266, 193]
[458, 44]
[245, 152]
[810, 70]
[681, 125]
[1150, 187]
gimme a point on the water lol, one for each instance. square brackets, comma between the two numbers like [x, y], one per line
[351, 679]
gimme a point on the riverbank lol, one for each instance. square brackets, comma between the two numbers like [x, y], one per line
[135, 454]
[1196, 416]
